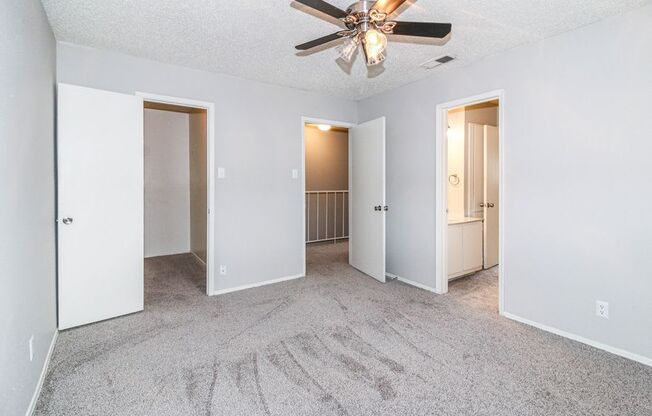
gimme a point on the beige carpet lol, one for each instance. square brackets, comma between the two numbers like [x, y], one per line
[334, 343]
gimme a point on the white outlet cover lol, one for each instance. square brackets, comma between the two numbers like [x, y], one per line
[222, 269]
[221, 173]
[295, 173]
[602, 309]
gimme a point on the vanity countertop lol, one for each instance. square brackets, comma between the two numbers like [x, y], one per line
[463, 220]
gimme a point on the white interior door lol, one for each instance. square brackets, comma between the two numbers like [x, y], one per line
[474, 170]
[367, 198]
[100, 204]
[491, 192]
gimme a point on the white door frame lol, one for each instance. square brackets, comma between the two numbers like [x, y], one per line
[441, 190]
[210, 181]
[314, 120]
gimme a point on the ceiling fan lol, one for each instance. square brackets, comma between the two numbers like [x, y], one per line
[367, 24]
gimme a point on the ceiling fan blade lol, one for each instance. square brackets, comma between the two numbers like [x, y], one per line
[324, 7]
[388, 6]
[422, 29]
[320, 41]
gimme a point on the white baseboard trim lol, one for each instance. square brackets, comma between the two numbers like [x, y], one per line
[630, 355]
[266, 282]
[411, 282]
[198, 258]
[44, 372]
[149, 256]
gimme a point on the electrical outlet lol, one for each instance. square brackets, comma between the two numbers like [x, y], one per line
[31, 348]
[221, 173]
[602, 309]
[295, 173]
[223, 269]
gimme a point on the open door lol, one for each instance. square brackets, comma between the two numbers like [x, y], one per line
[491, 206]
[367, 198]
[100, 205]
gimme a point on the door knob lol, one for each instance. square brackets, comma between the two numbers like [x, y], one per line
[482, 204]
[378, 208]
[490, 204]
[67, 220]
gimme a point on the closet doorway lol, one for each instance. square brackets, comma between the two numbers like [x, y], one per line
[100, 203]
[469, 193]
[178, 236]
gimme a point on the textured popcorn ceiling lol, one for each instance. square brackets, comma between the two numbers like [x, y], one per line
[255, 39]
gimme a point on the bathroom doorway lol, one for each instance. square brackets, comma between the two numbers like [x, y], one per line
[469, 198]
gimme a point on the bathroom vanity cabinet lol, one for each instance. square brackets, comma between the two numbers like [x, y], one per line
[464, 246]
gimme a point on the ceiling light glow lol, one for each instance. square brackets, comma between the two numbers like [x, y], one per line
[375, 43]
[324, 127]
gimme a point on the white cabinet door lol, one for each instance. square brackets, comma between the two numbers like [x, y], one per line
[367, 194]
[100, 204]
[464, 248]
[455, 250]
[472, 241]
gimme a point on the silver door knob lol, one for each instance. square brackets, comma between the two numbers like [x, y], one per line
[378, 208]
[67, 220]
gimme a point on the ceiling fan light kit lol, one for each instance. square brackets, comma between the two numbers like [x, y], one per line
[348, 49]
[367, 25]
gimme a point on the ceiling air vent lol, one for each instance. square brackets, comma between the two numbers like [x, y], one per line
[435, 62]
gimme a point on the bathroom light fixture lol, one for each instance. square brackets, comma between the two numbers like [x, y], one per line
[324, 127]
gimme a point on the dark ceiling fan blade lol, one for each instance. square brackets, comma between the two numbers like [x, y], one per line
[320, 41]
[324, 7]
[388, 6]
[422, 29]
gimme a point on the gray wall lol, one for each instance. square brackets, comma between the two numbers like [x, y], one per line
[258, 141]
[167, 183]
[198, 185]
[27, 252]
[577, 176]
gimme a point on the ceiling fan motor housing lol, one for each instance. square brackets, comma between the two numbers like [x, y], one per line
[361, 16]
[366, 23]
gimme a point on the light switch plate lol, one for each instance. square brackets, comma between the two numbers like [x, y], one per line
[31, 348]
[221, 173]
[602, 309]
[295, 173]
